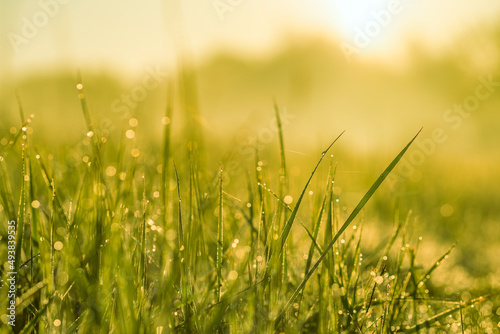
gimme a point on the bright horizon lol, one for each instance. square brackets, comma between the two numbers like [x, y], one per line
[126, 37]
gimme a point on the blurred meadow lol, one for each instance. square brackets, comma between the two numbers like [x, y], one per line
[99, 100]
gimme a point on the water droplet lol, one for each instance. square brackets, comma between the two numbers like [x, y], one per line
[135, 152]
[447, 210]
[133, 122]
[110, 171]
[288, 199]
[233, 274]
[58, 245]
[130, 134]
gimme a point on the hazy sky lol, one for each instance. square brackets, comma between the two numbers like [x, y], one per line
[125, 35]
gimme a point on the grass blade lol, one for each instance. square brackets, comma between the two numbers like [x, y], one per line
[283, 174]
[25, 300]
[288, 226]
[167, 120]
[436, 264]
[437, 317]
[220, 238]
[351, 217]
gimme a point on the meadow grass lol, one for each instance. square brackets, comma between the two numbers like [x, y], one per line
[128, 244]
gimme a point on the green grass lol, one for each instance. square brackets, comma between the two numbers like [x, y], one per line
[131, 242]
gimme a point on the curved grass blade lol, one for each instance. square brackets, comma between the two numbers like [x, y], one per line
[313, 240]
[436, 264]
[315, 234]
[351, 217]
[288, 226]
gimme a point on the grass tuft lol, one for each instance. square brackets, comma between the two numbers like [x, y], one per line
[121, 243]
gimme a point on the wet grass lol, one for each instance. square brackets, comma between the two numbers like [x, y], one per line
[130, 242]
